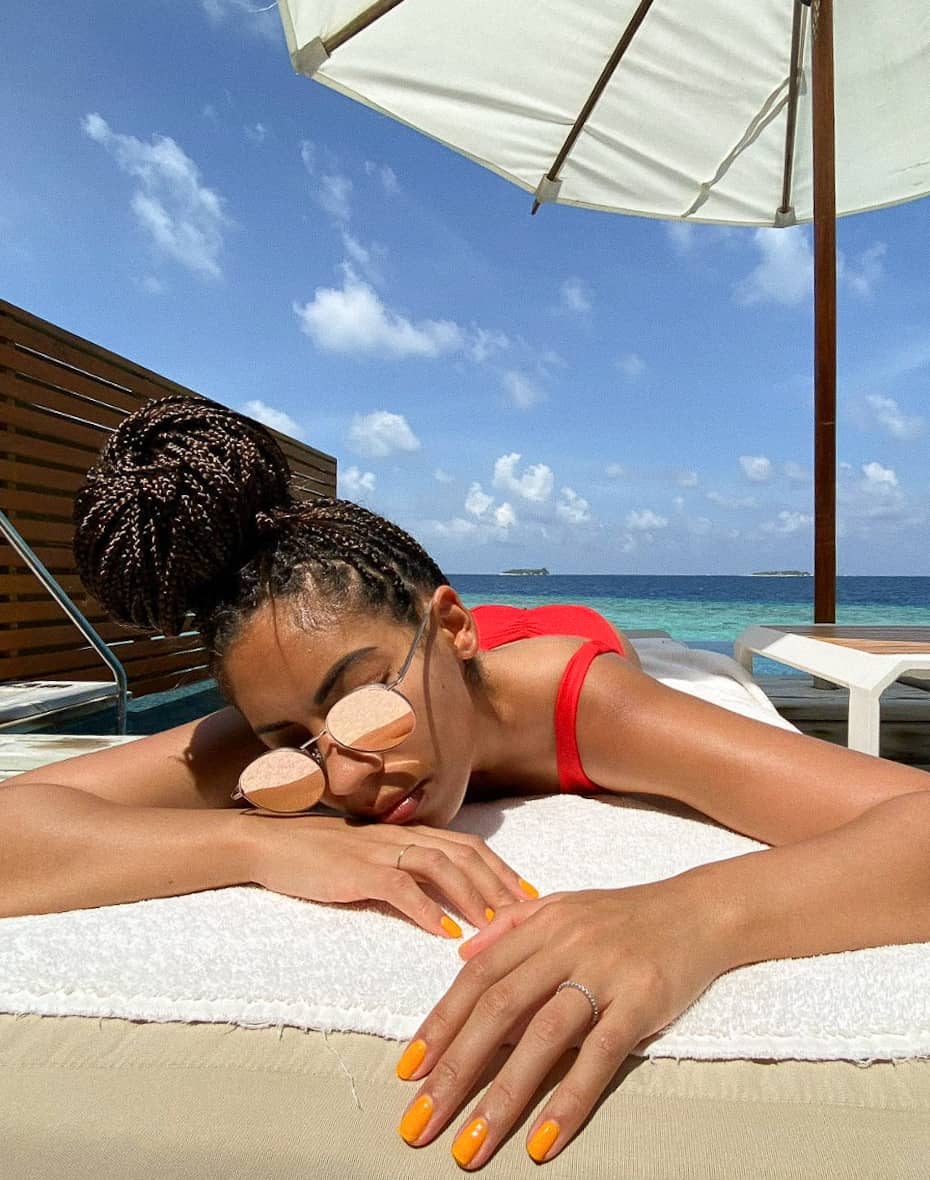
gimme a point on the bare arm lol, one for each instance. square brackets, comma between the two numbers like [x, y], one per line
[153, 818]
[192, 765]
[64, 848]
[637, 735]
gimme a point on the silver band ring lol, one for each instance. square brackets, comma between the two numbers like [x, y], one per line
[595, 1011]
[400, 854]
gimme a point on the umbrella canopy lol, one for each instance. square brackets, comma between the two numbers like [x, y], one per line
[703, 110]
[692, 120]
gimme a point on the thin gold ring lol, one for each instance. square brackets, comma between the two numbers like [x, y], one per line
[400, 854]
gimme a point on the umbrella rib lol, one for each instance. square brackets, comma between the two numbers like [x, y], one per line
[372, 13]
[793, 92]
[599, 87]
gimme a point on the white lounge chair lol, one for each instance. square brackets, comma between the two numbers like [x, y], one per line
[866, 660]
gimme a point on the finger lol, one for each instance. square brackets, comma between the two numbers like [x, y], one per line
[504, 920]
[435, 866]
[481, 973]
[602, 1052]
[453, 1073]
[399, 889]
[514, 886]
[495, 892]
[559, 1024]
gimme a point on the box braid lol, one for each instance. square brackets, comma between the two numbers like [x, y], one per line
[189, 509]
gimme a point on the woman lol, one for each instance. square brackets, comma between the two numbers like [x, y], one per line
[340, 645]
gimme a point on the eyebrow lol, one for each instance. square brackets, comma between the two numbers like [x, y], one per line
[330, 680]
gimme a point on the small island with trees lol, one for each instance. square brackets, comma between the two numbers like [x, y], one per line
[542, 572]
[781, 573]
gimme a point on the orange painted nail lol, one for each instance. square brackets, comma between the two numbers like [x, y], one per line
[542, 1140]
[528, 889]
[465, 1148]
[451, 928]
[417, 1115]
[489, 914]
[411, 1060]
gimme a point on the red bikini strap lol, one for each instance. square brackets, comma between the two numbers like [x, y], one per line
[571, 773]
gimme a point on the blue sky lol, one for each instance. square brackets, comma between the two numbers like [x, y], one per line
[593, 393]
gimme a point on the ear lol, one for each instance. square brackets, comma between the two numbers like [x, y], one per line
[455, 620]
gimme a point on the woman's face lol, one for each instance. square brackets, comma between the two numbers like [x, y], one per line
[276, 668]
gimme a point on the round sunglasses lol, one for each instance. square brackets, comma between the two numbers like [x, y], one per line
[369, 720]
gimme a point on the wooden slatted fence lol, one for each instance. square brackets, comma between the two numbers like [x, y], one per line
[60, 396]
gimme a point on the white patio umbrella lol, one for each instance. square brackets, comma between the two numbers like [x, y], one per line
[697, 110]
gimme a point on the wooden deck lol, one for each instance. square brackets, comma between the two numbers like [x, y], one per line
[820, 712]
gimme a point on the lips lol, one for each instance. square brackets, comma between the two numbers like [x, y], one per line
[401, 812]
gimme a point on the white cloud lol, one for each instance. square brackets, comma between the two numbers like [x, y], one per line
[477, 502]
[184, 218]
[443, 476]
[679, 503]
[355, 484]
[731, 501]
[523, 392]
[575, 295]
[152, 285]
[788, 522]
[535, 484]
[613, 470]
[862, 276]
[256, 133]
[260, 18]
[573, 508]
[276, 419]
[334, 195]
[644, 520]
[483, 343]
[381, 433]
[756, 468]
[385, 174]
[795, 472]
[784, 273]
[687, 479]
[308, 155]
[890, 417]
[504, 516]
[354, 319]
[631, 365]
[878, 479]
[680, 235]
[457, 529]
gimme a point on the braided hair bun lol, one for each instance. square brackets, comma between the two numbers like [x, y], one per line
[173, 509]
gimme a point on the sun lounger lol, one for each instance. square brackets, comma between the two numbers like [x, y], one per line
[866, 660]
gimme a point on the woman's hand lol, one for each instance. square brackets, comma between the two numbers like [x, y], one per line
[324, 858]
[645, 954]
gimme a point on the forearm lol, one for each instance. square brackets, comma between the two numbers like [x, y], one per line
[866, 883]
[65, 849]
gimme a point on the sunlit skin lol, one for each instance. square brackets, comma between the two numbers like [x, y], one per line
[645, 952]
[467, 736]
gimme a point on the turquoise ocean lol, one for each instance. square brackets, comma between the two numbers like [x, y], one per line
[706, 609]
[702, 611]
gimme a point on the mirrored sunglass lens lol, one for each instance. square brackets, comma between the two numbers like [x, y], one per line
[283, 780]
[371, 719]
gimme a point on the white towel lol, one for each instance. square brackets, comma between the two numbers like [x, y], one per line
[250, 957]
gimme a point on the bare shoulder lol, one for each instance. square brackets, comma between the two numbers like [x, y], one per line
[639, 736]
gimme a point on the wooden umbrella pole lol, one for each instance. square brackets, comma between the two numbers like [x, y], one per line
[824, 165]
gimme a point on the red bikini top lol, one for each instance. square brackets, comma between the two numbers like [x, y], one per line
[498, 625]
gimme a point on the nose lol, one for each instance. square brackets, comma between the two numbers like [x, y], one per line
[349, 771]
